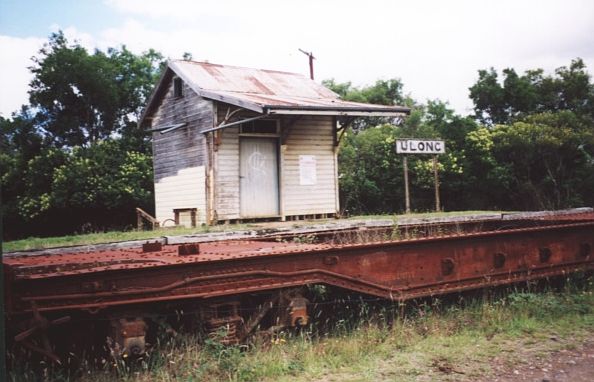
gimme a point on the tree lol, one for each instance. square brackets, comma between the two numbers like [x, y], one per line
[541, 162]
[521, 95]
[76, 158]
[383, 92]
[488, 97]
[82, 97]
[371, 171]
[89, 188]
[369, 168]
[575, 89]
[457, 180]
[544, 162]
[19, 143]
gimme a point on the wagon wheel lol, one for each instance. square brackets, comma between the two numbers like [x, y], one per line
[288, 307]
[39, 325]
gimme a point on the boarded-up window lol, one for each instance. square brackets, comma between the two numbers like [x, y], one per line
[177, 87]
[262, 126]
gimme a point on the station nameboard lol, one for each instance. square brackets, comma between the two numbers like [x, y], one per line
[419, 146]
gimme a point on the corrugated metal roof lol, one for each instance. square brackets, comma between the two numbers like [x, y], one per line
[223, 78]
[266, 91]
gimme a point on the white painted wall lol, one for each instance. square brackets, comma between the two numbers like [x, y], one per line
[311, 136]
[187, 189]
[227, 175]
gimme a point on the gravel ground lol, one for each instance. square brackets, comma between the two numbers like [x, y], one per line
[574, 365]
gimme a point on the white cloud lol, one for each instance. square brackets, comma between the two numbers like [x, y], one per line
[74, 35]
[14, 64]
[14, 75]
[435, 47]
[178, 9]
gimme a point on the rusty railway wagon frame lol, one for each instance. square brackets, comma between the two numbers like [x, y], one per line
[395, 263]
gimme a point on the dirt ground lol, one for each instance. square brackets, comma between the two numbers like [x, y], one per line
[575, 365]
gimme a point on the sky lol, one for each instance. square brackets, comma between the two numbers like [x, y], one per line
[435, 47]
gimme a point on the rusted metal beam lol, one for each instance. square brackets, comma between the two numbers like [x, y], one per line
[396, 263]
[396, 270]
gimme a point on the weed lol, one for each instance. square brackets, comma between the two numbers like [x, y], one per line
[449, 338]
[108, 237]
[305, 239]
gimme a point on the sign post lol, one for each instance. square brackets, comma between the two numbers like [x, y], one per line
[406, 190]
[436, 181]
[420, 146]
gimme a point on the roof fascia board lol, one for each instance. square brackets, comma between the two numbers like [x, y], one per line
[338, 112]
[153, 98]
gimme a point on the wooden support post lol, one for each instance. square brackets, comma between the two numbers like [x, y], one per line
[142, 215]
[436, 181]
[406, 189]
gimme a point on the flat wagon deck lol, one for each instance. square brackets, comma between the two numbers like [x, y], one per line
[393, 262]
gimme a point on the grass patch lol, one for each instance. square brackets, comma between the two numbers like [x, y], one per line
[110, 237]
[115, 236]
[420, 215]
[463, 340]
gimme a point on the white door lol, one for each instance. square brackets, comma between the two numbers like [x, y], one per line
[258, 173]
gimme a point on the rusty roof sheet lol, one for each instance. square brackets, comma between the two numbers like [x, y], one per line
[224, 78]
[266, 91]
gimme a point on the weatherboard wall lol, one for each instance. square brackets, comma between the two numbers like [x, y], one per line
[310, 135]
[180, 156]
[227, 175]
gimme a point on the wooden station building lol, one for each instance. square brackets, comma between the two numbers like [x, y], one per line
[233, 144]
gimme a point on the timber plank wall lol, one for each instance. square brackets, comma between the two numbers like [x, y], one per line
[310, 135]
[179, 156]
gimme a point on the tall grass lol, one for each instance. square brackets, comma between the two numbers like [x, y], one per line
[457, 338]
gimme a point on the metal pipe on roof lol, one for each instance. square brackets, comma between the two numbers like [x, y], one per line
[222, 126]
[167, 128]
[311, 58]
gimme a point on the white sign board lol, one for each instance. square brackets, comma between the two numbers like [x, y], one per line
[307, 170]
[419, 146]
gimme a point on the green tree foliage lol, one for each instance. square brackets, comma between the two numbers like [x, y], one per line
[371, 173]
[383, 92]
[540, 160]
[82, 98]
[92, 188]
[534, 151]
[19, 143]
[544, 164]
[75, 159]
[497, 102]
